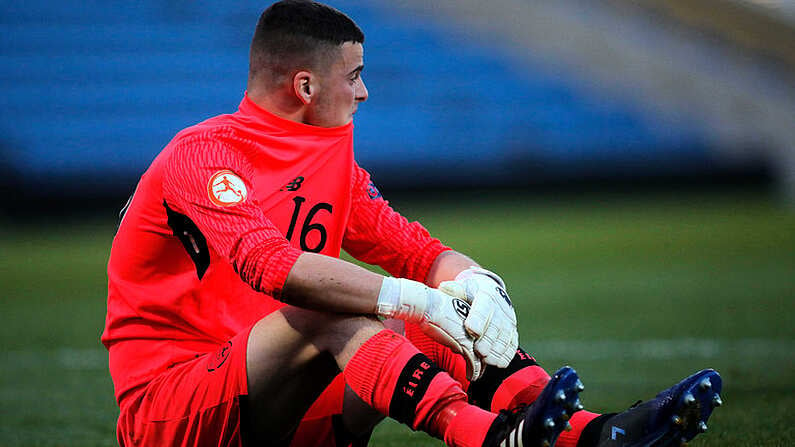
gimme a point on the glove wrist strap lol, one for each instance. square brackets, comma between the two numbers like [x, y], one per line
[474, 270]
[403, 299]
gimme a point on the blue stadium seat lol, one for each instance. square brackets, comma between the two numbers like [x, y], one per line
[91, 87]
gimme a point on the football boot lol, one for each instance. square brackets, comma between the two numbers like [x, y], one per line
[540, 423]
[671, 419]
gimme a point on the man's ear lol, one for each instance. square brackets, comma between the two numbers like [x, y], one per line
[304, 86]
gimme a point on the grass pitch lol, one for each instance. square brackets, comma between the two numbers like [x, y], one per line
[633, 293]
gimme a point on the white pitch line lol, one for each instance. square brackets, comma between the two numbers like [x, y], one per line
[664, 349]
[583, 350]
[63, 358]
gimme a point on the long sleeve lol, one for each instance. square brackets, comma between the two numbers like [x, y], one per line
[238, 230]
[377, 234]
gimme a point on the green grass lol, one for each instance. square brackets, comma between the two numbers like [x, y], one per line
[634, 293]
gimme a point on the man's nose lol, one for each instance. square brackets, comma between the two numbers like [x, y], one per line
[361, 91]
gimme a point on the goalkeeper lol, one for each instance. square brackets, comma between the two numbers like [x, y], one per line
[232, 321]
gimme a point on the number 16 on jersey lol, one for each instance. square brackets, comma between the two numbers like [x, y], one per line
[308, 227]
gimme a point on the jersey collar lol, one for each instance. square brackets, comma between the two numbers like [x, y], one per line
[251, 110]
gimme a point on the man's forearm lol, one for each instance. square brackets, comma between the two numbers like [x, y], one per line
[324, 283]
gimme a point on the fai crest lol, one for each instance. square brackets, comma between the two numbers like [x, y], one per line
[226, 189]
[372, 191]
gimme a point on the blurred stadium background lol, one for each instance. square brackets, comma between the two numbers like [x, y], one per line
[629, 167]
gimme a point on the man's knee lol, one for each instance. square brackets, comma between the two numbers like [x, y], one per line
[337, 334]
[291, 340]
[292, 356]
[291, 327]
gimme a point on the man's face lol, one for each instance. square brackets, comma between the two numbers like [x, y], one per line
[341, 88]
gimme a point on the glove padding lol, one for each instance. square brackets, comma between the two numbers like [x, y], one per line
[492, 319]
[440, 315]
[445, 324]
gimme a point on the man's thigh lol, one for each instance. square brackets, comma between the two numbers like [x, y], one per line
[293, 356]
[258, 385]
[193, 403]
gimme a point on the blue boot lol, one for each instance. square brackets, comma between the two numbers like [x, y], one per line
[539, 424]
[671, 419]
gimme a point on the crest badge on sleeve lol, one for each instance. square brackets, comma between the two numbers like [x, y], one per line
[372, 191]
[226, 189]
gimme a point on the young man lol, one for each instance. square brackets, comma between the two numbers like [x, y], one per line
[230, 316]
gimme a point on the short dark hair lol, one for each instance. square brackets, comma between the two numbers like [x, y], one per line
[298, 34]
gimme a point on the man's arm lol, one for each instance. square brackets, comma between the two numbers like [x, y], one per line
[378, 235]
[447, 266]
[492, 319]
[325, 283]
[265, 260]
[322, 282]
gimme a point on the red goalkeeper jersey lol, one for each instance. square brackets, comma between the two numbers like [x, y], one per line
[218, 220]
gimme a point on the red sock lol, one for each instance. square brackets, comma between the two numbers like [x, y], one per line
[505, 389]
[520, 388]
[578, 421]
[393, 377]
[522, 383]
[454, 364]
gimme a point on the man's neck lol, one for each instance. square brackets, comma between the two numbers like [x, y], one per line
[279, 105]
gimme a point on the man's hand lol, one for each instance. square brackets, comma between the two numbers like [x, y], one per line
[492, 320]
[440, 315]
[445, 324]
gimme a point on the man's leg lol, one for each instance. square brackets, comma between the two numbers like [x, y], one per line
[292, 346]
[256, 386]
[358, 418]
[291, 359]
[498, 389]
[671, 418]
[339, 417]
[520, 384]
[385, 370]
[503, 389]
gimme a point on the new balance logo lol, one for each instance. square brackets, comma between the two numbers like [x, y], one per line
[294, 185]
[616, 431]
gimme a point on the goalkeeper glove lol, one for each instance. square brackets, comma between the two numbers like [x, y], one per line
[439, 315]
[492, 320]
